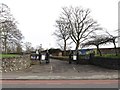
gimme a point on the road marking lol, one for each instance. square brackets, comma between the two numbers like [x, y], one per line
[51, 69]
[75, 69]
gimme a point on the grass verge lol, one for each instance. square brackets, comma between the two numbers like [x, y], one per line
[8, 55]
[109, 56]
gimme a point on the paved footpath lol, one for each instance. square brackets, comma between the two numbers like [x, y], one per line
[57, 69]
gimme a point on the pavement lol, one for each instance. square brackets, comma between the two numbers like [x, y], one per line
[64, 77]
[57, 70]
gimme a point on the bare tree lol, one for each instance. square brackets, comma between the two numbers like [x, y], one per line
[62, 33]
[39, 47]
[5, 13]
[68, 45]
[19, 48]
[8, 28]
[28, 46]
[10, 33]
[112, 39]
[97, 41]
[81, 25]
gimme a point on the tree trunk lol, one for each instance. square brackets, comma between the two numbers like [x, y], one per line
[115, 47]
[77, 45]
[64, 54]
[99, 50]
[5, 43]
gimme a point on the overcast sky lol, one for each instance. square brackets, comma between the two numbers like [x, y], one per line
[37, 17]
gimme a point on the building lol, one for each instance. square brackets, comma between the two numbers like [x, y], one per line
[103, 51]
[55, 52]
[109, 50]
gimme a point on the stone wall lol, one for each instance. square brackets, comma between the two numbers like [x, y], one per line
[15, 63]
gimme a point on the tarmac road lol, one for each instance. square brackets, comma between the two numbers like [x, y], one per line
[60, 74]
[57, 69]
[59, 83]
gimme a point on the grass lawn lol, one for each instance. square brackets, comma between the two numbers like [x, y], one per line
[109, 56]
[8, 55]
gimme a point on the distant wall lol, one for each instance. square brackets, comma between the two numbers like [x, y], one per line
[15, 63]
[109, 50]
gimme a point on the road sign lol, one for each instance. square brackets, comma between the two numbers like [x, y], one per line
[74, 57]
[43, 57]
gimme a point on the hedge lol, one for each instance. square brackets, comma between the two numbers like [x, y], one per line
[105, 62]
[111, 63]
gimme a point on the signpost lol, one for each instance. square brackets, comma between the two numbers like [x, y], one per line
[43, 57]
[74, 57]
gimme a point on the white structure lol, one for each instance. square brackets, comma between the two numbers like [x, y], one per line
[119, 23]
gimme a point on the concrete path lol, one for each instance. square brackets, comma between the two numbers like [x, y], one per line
[57, 69]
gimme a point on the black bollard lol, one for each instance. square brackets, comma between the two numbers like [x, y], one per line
[70, 57]
[40, 57]
[77, 61]
[47, 57]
